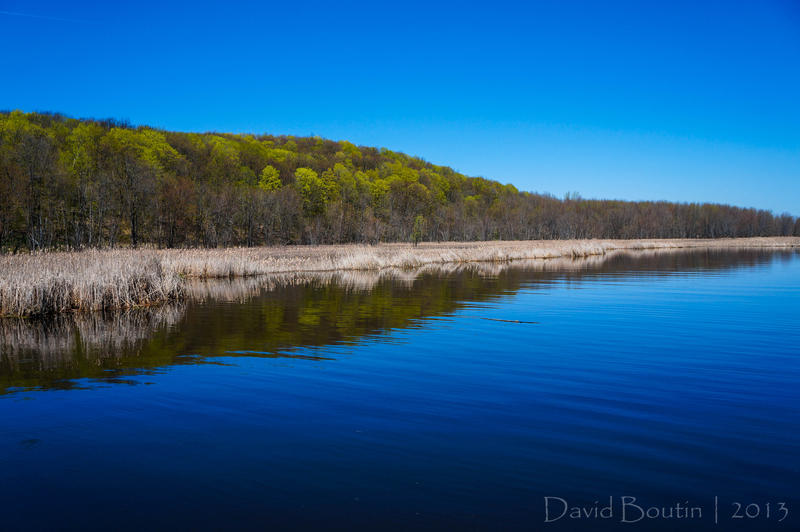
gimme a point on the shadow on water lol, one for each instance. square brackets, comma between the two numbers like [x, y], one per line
[295, 315]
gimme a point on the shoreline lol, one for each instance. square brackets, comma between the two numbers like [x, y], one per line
[47, 283]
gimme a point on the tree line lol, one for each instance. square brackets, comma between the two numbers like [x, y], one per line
[72, 183]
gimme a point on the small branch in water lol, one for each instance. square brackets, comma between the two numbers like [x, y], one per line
[504, 321]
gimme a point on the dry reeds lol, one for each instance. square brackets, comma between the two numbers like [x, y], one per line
[243, 262]
[48, 283]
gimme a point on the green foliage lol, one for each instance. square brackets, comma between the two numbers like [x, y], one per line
[312, 189]
[270, 179]
[77, 183]
[147, 145]
[419, 229]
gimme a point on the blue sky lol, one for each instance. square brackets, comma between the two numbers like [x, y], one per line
[684, 101]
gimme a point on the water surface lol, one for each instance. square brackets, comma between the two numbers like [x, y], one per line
[425, 401]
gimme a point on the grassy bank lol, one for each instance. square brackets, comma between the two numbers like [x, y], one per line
[49, 283]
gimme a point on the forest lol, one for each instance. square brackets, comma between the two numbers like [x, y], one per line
[69, 183]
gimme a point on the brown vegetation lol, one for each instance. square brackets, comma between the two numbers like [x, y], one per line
[47, 283]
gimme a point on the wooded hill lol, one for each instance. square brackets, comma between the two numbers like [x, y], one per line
[70, 183]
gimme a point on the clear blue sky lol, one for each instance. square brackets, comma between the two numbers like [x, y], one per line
[685, 101]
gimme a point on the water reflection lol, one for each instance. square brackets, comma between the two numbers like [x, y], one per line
[288, 315]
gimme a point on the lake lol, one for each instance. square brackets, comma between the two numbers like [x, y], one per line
[661, 389]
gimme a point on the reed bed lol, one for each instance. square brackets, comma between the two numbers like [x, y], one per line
[55, 282]
[243, 262]
[48, 283]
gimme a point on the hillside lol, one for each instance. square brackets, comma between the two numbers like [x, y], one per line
[70, 183]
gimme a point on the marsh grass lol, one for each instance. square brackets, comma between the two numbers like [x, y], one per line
[55, 282]
[49, 283]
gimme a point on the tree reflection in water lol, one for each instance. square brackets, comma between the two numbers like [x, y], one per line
[295, 315]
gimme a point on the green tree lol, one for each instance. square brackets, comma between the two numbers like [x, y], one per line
[419, 229]
[313, 191]
[270, 179]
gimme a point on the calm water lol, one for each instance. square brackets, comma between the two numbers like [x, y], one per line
[368, 403]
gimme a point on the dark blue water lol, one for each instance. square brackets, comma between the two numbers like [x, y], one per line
[674, 380]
